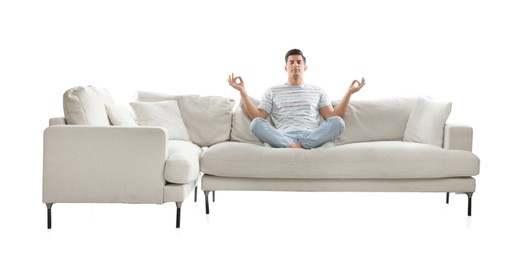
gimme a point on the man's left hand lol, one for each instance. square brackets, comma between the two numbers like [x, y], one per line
[356, 86]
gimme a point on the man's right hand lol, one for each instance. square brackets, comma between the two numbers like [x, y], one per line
[236, 82]
[252, 111]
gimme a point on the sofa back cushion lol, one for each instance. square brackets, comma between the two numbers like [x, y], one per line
[207, 118]
[382, 119]
[241, 124]
[86, 106]
[365, 121]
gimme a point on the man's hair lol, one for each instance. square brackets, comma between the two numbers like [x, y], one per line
[294, 52]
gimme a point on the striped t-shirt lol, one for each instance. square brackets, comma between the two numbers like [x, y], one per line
[294, 107]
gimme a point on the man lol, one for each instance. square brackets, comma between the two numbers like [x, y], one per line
[295, 109]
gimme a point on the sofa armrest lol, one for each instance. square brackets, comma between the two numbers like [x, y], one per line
[93, 164]
[458, 137]
[57, 121]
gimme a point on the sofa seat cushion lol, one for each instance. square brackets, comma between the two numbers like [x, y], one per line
[182, 165]
[367, 160]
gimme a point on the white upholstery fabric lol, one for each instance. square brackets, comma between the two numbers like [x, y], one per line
[463, 184]
[164, 113]
[91, 164]
[178, 192]
[376, 120]
[86, 106]
[207, 118]
[368, 160]
[458, 137]
[120, 115]
[182, 166]
[57, 121]
[240, 129]
[426, 122]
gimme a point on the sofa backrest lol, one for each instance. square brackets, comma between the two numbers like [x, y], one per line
[207, 118]
[366, 120]
[213, 119]
[382, 119]
[240, 129]
[86, 106]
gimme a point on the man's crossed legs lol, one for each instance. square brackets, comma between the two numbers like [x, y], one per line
[328, 131]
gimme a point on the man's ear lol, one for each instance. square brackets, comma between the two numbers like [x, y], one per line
[305, 67]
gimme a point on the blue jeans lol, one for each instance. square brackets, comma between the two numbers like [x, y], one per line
[328, 131]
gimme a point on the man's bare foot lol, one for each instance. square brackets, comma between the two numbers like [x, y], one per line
[296, 146]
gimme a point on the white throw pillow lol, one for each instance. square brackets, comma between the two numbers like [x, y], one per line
[86, 106]
[426, 122]
[164, 113]
[120, 115]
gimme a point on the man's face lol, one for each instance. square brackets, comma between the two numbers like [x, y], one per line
[295, 65]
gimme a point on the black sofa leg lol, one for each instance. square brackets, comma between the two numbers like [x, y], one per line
[178, 213]
[470, 195]
[447, 198]
[213, 196]
[195, 194]
[49, 214]
[207, 203]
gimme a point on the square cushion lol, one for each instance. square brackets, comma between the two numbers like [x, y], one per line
[381, 119]
[120, 115]
[207, 118]
[86, 106]
[164, 113]
[426, 122]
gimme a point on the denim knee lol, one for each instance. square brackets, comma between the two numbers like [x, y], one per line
[256, 122]
[337, 123]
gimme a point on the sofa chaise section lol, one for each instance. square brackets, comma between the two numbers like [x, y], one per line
[101, 152]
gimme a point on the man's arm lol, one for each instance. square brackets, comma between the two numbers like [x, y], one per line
[341, 108]
[252, 111]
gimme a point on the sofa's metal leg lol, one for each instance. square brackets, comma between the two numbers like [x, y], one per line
[447, 198]
[195, 194]
[470, 195]
[49, 214]
[213, 198]
[207, 204]
[178, 213]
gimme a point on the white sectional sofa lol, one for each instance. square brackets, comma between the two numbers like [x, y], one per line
[155, 152]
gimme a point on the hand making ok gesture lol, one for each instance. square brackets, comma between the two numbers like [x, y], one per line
[236, 82]
[356, 86]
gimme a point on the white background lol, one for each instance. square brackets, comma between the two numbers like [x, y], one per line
[450, 50]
